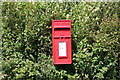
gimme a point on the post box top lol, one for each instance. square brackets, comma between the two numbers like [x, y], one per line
[61, 23]
[61, 20]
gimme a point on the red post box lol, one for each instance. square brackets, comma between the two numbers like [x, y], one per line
[61, 42]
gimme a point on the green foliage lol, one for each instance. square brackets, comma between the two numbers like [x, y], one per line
[26, 41]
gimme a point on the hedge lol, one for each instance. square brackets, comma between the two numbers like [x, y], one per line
[26, 40]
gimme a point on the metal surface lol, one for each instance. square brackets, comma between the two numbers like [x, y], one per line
[61, 42]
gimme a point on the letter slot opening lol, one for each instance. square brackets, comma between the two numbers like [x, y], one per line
[62, 32]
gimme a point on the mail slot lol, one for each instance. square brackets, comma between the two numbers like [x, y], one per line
[61, 42]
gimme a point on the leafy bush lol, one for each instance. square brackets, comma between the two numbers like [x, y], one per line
[26, 41]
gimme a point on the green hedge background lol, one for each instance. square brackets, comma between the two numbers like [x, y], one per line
[26, 40]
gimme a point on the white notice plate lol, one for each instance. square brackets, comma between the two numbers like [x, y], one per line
[62, 48]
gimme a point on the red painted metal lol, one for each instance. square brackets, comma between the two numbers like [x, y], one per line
[61, 42]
